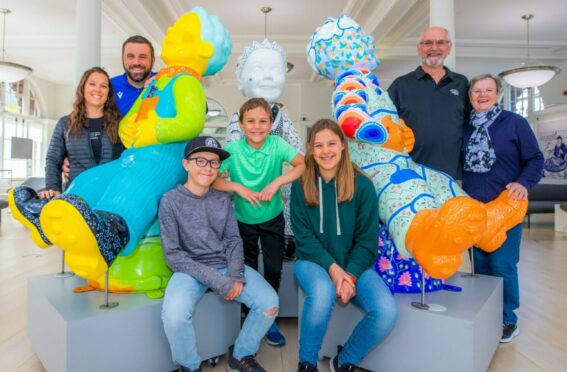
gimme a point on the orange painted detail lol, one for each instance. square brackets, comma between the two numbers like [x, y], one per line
[437, 238]
[171, 71]
[503, 213]
[400, 137]
[148, 104]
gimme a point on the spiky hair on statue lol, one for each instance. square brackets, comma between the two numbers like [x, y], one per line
[266, 44]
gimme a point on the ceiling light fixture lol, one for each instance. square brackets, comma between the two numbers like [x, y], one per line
[266, 10]
[10, 72]
[531, 73]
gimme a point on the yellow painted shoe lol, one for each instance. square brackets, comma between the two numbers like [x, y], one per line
[26, 206]
[68, 229]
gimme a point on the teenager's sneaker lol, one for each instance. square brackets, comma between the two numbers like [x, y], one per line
[509, 331]
[274, 337]
[246, 364]
[306, 367]
[347, 367]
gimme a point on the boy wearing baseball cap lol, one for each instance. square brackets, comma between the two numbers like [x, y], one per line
[202, 246]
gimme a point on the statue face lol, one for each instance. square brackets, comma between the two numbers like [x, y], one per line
[263, 75]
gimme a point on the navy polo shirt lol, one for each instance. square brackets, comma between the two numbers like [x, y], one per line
[437, 114]
[125, 93]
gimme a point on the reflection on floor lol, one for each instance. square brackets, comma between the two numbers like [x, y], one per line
[541, 346]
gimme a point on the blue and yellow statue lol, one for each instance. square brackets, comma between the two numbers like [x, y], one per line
[108, 209]
[428, 215]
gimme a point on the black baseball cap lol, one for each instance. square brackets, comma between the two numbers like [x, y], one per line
[207, 144]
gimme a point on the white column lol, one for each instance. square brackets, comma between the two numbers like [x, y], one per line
[442, 14]
[88, 14]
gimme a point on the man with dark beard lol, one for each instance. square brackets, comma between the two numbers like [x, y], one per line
[433, 101]
[137, 60]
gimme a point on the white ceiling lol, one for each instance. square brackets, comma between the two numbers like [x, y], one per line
[490, 34]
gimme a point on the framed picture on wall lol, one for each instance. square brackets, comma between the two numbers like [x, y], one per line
[552, 138]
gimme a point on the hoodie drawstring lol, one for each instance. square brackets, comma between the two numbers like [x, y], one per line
[321, 208]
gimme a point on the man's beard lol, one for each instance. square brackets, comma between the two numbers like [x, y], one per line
[434, 61]
[138, 77]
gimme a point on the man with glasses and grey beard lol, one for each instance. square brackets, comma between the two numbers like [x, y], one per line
[433, 101]
[138, 60]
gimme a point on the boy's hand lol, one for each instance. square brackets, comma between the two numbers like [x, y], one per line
[269, 191]
[48, 194]
[235, 291]
[246, 193]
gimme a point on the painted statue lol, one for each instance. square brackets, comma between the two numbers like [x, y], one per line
[260, 73]
[107, 210]
[428, 215]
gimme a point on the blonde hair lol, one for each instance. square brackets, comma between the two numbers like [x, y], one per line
[344, 178]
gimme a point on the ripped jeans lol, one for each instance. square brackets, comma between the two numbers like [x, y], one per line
[181, 296]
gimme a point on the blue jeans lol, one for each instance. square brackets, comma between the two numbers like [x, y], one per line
[372, 296]
[181, 296]
[504, 263]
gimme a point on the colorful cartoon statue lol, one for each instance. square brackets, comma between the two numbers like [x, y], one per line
[108, 209]
[260, 73]
[425, 211]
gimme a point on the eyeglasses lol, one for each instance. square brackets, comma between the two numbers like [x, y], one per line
[430, 43]
[487, 91]
[202, 162]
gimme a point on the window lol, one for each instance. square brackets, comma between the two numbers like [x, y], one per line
[523, 101]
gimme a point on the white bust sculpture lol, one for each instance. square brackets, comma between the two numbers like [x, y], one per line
[262, 74]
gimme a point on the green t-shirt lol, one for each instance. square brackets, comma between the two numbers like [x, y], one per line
[255, 169]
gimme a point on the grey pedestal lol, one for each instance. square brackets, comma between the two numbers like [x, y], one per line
[288, 289]
[463, 338]
[288, 292]
[69, 332]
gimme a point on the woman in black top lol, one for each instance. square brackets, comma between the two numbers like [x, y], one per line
[88, 136]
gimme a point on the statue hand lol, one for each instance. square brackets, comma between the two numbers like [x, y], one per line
[408, 137]
[145, 130]
[126, 130]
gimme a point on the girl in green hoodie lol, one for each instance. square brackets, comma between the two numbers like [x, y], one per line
[334, 216]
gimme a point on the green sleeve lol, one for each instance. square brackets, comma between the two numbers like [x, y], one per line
[225, 165]
[362, 255]
[308, 245]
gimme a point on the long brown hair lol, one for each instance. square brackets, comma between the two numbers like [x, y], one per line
[78, 117]
[346, 169]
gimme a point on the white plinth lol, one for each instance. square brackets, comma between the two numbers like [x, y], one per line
[560, 217]
[69, 332]
[463, 338]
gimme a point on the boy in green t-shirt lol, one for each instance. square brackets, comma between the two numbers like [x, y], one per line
[255, 168]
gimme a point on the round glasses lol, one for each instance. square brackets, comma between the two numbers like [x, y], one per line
[430, 43]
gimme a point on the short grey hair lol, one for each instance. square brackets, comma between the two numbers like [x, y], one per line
[477, 78]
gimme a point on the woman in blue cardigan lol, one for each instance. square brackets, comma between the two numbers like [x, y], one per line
[500, 152]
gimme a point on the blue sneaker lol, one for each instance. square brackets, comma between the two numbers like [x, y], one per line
[274, 337]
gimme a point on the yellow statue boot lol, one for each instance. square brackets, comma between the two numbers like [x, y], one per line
[502, 213]
[437, 238]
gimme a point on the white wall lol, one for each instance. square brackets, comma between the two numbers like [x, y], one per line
[552, 92]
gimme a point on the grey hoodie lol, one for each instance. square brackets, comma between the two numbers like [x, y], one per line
[199, 234]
